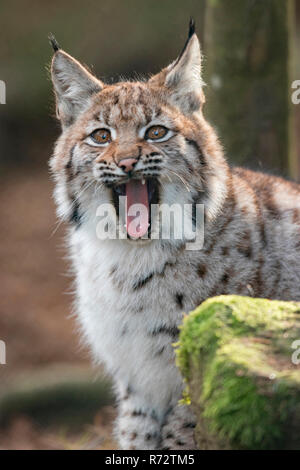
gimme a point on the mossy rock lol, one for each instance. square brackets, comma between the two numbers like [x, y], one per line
[236, 354]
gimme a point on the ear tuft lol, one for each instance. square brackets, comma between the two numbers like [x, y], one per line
[182, 78]
[192, 27]
[53, 42]
[190, 34]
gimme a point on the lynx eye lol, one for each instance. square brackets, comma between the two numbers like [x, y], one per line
[156, 132]
[101, 136]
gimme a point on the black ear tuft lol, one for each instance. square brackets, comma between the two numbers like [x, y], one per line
[191, 28]
[190, 34]
[53, 42]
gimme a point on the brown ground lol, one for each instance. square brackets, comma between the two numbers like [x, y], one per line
[34, 305]
[23, 434]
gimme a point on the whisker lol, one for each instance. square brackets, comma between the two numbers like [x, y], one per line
[58, 224]
[181, 178]
[186, 184]
[170, 179]
[85, 187]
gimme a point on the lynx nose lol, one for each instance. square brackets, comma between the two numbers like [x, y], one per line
[127, 164]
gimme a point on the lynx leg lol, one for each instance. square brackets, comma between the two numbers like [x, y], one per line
[178, 430]
[138, 427]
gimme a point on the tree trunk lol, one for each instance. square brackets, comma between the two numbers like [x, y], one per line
[294, 68]
[246, 45]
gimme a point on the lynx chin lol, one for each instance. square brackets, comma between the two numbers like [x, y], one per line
[149, 141]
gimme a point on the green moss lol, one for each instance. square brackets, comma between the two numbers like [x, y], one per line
[235, 354]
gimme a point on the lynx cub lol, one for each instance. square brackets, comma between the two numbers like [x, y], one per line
[150, 142]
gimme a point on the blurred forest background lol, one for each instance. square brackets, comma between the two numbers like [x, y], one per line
[49, 397]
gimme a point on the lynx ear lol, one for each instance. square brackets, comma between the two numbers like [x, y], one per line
[73, 84]
[182, 78]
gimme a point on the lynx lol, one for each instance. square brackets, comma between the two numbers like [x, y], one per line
[149, 142]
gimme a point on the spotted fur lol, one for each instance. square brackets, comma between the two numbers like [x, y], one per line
[131, 295]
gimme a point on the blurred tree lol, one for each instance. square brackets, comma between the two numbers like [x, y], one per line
[294, 125]
[248, 84]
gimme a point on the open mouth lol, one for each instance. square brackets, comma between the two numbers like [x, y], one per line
[140, 195]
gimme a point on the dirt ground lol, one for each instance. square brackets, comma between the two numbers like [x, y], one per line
[35, 305]
[24, 434]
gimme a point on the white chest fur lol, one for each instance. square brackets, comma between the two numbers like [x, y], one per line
[123, 302]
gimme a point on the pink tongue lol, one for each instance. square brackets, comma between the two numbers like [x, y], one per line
[137, 217]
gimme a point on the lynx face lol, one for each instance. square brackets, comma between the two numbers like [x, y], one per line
[147, 141]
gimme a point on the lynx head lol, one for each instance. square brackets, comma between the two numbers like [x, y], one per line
[147, 140]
